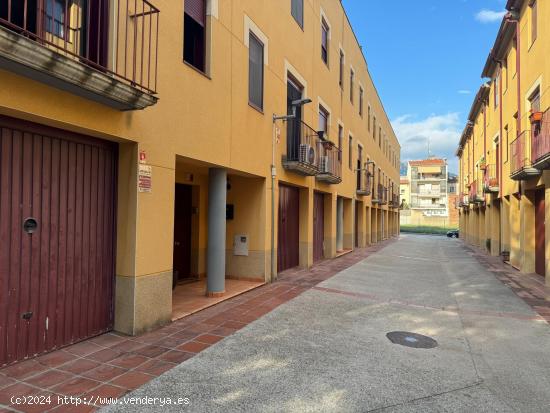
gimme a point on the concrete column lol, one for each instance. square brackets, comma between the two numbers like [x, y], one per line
[330, 225]
[215, 255]
[339, 224]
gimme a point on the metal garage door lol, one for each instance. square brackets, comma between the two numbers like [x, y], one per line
[288, 255]
[57, 230]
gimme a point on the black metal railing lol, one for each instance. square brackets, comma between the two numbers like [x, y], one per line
[118, 37]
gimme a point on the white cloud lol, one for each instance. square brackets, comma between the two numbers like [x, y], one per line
[441, 131]
[464, 92]
[489, 16]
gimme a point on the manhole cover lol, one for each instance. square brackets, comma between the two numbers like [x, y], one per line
[409, 339]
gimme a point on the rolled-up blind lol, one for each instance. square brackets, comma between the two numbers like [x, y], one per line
[196, 9]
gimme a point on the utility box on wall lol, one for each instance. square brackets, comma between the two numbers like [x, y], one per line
[240, 245]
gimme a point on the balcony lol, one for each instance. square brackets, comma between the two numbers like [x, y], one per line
[490, 180]
[394, 201]
[330, 167]
[380, 196]
[364, 182]
[303, 149]
[540, 151]
[476, 193]
[520, 158]
[102, 50]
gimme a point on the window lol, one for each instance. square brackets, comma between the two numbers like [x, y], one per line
[507, 145]
[341, 81]
[194, 33]
[55, 17]
[368, 118]
[351, 80]
[374, 128]
[323, 119]
[350, 152]
[496, 87]
[324, 41]
[255, 72]
[534, 19]
[505, 69]
[534, 100]
[361, 101]
[297, 11]
[380, 136]
[340, 141]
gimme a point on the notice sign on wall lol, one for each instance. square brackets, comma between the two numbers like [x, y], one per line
[145, 173]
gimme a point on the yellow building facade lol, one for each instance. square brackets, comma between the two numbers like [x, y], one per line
[503, 152]
[223, 140]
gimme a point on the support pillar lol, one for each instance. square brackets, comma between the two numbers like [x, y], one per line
[215, 256]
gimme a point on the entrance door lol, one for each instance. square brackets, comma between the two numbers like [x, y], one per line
[318, 226]
[356, 224]
[288, 242]
[95, 36]
[540, 238]
[294, 92]
[183, 210]
[57, 226]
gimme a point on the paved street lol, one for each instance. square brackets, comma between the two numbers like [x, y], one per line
[326, 350]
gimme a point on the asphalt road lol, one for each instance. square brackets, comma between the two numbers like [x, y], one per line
[327, 350]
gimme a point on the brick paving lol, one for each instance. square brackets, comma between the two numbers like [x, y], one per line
[531, 288]
[112, 364]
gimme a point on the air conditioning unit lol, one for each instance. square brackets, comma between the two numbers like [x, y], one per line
[307, 154]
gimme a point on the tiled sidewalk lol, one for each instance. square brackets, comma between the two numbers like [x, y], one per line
[529, 287]
[111, 365]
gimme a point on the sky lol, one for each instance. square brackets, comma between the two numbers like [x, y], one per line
[426, 58]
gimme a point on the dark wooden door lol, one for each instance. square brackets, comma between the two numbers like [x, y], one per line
[293, 128]
[356, 225]
[540, 236]
[183, 210]
[288, 242]
[95, 33]
[57, 226]
[318, 226]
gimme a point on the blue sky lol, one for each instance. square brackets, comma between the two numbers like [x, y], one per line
[426, 58]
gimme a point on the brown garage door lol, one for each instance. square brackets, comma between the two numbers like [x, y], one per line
[57, 226]
[288, 229]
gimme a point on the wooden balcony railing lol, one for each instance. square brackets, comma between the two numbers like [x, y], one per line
[330, 162]
[116, 37]
[540, 151]
[304, 148]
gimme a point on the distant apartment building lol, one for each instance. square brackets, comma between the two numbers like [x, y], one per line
[424, 193]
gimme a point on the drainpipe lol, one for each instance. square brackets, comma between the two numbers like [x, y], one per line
[500, 137]
[485, 140]
[273, 174]
[513, 17]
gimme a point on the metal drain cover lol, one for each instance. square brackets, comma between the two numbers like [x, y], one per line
[408, 339]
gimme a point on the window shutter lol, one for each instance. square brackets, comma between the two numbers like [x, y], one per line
[196, 9]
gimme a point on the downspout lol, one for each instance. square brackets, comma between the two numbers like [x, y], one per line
[500, 138]
[513, 17]
[485, 140]
[273, 174]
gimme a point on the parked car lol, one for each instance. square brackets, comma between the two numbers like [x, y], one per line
[453, 233]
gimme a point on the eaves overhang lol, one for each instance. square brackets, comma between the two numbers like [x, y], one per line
[514, 5]
[498, 52]
[481, 97]
[464, 137]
